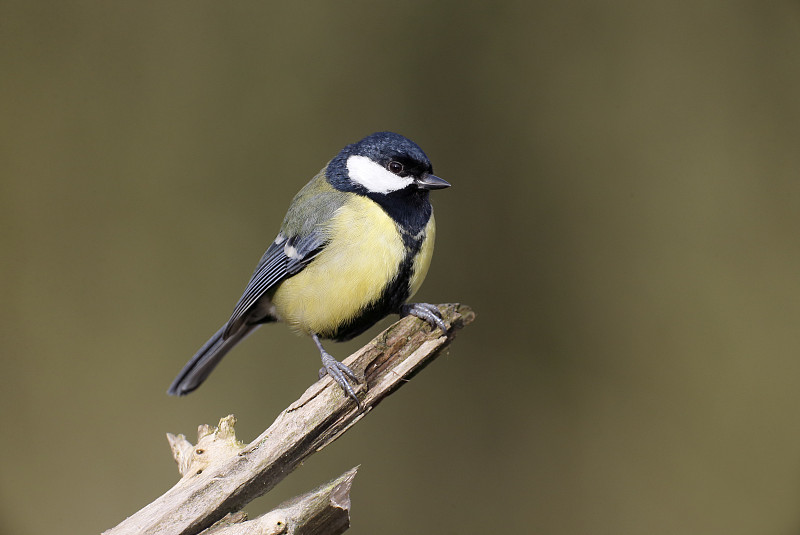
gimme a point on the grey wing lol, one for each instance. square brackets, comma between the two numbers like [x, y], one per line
[284, 257]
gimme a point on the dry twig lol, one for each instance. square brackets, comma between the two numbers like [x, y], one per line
[221, 475]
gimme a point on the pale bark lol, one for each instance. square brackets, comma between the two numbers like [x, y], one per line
[221, 475]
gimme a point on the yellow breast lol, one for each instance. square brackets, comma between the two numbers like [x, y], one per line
[350, 273]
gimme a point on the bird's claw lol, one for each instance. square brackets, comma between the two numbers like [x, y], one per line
[339, 373]
[426, 312]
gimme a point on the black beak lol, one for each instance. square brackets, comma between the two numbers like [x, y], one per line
[429, 181]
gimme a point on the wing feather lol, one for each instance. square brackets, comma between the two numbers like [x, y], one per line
[304, 233]
[284, 257]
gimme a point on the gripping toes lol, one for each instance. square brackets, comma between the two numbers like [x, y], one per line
[340, 373]
[426, 312]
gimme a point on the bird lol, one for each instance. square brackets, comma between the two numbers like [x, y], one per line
[354, 247]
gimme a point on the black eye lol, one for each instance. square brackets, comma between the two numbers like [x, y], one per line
[395, 167]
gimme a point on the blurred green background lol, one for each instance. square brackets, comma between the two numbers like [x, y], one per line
[623, 218]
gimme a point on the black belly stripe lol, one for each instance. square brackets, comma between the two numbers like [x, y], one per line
[411, 210]
[393, 296]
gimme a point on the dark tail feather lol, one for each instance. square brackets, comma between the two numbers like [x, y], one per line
[206, 359]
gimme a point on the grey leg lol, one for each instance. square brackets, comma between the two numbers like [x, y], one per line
[337, 370]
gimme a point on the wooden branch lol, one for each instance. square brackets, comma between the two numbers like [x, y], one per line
[221, 475]
[323, 511]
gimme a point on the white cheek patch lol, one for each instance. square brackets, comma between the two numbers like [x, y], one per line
[373, 176]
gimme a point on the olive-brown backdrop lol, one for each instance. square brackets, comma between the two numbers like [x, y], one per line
[624, 219]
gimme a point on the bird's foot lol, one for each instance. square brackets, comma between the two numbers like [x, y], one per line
[339, 372]
[426, 312]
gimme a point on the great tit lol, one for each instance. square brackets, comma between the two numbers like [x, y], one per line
[354, 246]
